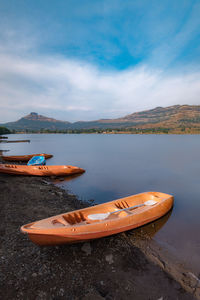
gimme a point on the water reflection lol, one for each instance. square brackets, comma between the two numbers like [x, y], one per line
[149, 230]
[1, 151]
[60, 180]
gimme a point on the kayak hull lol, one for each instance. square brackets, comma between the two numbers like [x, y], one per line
[63, 170]
[74, 227]
[24, 157]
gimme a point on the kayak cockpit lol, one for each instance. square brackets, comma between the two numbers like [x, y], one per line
[81, 217]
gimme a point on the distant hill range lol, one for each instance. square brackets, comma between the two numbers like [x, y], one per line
[35, 122]
[175, 119]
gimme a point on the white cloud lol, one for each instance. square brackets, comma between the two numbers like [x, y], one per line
[105, 33]
[74, 90]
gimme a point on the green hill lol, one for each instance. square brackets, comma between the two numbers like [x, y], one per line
[4, 130]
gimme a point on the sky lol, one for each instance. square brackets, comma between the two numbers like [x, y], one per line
[91, 59]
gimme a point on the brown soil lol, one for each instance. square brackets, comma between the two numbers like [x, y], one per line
[108, 268]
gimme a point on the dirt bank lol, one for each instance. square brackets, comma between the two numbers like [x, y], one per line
[108, 268]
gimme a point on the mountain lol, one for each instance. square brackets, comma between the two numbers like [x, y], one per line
[177, 118]
[33, 121]
[168, 117]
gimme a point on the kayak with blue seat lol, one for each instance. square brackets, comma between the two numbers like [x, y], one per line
[37, 161]
[24, 157]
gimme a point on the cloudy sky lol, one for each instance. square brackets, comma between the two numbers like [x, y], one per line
[89, 59]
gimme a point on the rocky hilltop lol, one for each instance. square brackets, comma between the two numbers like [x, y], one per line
[35, 122]
[172, 119]
[33, 116]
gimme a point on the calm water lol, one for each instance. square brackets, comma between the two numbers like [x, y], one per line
[122, 165]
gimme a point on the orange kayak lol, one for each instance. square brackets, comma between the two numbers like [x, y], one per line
[100, 220]
[40, 170]
[24, 157]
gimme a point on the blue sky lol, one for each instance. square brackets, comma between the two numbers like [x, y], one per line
[89, 59]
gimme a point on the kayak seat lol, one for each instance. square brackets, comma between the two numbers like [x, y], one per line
[11, 166]
[74, 218]
[60, 220]
[43, 167]
[122, 204]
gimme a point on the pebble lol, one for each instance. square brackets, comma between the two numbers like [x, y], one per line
[109, 259]
[86, 248]
[61, 292]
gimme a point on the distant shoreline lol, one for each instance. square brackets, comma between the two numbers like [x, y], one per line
[176, 119]
[175, 132]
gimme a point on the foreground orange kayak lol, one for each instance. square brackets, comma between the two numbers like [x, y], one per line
[24, 157]
[100, 220]
[40, 170]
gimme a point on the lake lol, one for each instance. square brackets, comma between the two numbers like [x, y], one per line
[121, 165]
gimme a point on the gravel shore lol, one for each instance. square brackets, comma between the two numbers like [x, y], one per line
[108, 268]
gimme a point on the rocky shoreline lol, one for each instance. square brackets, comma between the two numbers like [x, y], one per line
[109, 268]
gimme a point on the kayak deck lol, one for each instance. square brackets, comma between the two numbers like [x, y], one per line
[75, 226]
[24, 157]
[62, 170]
